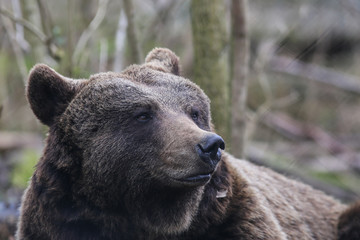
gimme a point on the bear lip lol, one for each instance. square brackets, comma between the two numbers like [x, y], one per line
[197, 180]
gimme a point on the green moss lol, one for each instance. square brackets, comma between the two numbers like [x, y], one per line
[24, 169]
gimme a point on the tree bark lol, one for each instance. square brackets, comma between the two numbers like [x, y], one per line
[120, 38]
[135, 53]
[210, 68]
[239, 50]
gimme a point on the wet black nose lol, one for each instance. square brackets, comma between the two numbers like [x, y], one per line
[209, 149]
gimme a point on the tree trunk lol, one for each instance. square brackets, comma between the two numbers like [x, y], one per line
[210, 59]
[239, 50]
[133, 43]
[120, 42]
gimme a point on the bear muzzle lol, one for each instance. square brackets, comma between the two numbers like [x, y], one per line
[209, 151]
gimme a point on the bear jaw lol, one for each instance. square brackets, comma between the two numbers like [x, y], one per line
[177, 218]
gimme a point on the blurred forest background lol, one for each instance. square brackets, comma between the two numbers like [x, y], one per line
[296, 62]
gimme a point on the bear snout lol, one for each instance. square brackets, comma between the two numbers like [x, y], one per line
[209, 149]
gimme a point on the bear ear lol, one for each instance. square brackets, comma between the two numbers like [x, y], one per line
[162, 59]
[49, 93]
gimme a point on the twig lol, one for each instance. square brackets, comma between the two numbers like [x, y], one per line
[88, 32]
[46, 20]
[29, 26]
[164, 11]
[315, 73]
[352, 8]
[266, 49]
[51, 46]
[265, 108]
[20, 59]
[10, 140]
[47, 26]
[19, 28]
[292, 128]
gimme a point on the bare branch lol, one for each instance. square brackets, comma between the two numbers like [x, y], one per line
[315, 73]
[28, 25]
[11, 140]
[295, 129]
[265, 108]
[20, 59]
[351, 7]
[261, 58]
[52, 48]
[89, 31]
[18, 27]
[46, 20]
[47, 26]
[164, 11]
[259, 156]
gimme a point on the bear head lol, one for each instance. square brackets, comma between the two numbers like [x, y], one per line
[138, 143]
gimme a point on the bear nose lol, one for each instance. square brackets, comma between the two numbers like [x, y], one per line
[209, 149]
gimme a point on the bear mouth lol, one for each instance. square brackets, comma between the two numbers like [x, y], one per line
[196, 180]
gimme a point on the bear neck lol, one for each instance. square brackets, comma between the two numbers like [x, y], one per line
[55, 173]
[217, 197]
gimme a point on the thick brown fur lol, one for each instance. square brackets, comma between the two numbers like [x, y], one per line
[349, 223]
[119, 155]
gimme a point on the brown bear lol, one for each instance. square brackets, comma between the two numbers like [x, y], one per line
[133, 155]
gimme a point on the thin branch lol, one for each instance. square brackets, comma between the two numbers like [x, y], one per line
[47, 26]
[89, 31]
[20, 59]
[315, 73]
[295, 129]
[28, 25]
[351, 7]
[259, 156]
[19, 28]
[164, 11]
[265, 49]
[46, 20]
[51, 46]
[12, 140]
[265, 108]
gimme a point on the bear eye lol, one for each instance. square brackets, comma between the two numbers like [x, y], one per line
[195, 115]
[144, 117]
